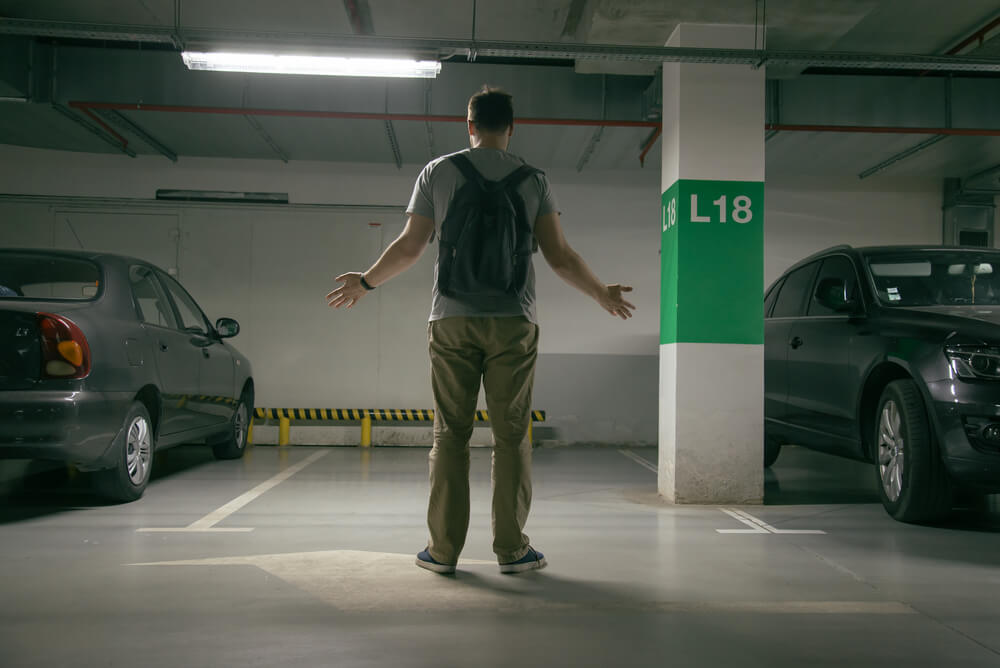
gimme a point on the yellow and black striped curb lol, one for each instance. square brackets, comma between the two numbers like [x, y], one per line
[354, 414]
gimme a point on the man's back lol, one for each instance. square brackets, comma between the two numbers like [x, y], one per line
[432, 195]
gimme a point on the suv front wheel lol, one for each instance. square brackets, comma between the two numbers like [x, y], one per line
[912, 481]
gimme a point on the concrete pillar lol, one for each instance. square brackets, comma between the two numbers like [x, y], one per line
[711, 315]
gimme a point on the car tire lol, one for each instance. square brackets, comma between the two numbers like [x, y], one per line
[127, 480]
[233, 443]
[772, 449]
[912, 481]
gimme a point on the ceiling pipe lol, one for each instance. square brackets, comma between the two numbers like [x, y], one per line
[649, 144]
[88, 107]
[877, 129]
[352, 115]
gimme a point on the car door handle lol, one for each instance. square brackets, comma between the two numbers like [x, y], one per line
[163, 347]
[204, 351]
[796, 342]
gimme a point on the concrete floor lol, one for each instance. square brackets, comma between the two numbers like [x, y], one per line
[326, 576]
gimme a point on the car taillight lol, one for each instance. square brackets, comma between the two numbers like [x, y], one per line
[65, 352]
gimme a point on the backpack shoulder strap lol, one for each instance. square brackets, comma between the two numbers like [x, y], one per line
[468, 170]
[515, 178]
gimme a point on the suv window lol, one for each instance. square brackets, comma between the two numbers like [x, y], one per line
[792, 298]
[150, 299]
[771, 297]
[192, 319]
[837, 267]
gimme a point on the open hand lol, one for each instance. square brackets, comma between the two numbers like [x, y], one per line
[348, 294]
[613, 302]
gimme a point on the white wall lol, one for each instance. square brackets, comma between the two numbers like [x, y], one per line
[803, 217]
[270, 268]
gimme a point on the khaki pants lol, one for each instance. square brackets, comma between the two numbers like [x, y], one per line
[500, 353]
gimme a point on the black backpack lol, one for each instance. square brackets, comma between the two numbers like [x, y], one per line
[486, 238]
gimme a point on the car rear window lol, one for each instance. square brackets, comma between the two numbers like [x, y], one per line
[42, 276]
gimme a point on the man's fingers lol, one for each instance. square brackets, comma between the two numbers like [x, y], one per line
[342, 277]
[626, 288]
[629, 304]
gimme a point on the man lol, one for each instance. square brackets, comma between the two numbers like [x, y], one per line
[490, 340]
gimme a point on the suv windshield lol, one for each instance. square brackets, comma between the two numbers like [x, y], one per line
[936, 278]
[43, 276]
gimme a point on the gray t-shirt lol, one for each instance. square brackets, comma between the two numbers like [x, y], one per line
[436, 186]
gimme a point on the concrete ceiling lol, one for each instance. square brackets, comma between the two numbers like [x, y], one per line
[60, 74]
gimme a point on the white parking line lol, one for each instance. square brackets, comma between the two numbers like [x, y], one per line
[754, 528]
[645, 463]
[208, 522]
[759, 526]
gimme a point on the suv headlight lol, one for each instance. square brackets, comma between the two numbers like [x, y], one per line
[970, 361]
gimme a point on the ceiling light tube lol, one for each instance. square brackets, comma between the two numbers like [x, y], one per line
[315, 65]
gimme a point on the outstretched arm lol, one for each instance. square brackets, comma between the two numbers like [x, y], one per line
[568, 264]
[401, 254]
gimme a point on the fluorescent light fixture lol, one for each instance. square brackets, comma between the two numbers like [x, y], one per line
[322, 65]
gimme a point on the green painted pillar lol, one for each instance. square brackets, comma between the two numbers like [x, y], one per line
[712, 254]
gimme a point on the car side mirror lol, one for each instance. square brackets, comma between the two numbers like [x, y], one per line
[832, 294]
[227, 328]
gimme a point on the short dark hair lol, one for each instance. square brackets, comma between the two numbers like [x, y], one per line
[491, 110]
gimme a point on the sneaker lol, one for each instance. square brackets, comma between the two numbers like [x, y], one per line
[425, 560]
[532, 560]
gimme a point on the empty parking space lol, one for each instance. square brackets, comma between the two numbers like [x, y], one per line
[328, 569]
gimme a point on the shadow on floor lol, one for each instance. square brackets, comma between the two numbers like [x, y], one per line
[804, 477]
[40, 488]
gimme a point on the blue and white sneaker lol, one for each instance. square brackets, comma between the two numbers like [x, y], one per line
[425, 560]
[532, 560]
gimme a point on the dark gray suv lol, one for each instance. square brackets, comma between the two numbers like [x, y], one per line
[890, 355]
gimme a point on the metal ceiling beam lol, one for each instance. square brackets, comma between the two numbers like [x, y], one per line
[390, 134]
[976, 39]
[121, 120]
[360, 15]
[575, 18]
[917, 148]
[543, 50]
[589, 150]
[120, 145]
[774, 107]
[983, 181]
[255, 124]
[902, 155]
[427, 125]
[595, 137]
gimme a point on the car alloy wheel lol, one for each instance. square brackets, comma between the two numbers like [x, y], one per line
[891, 450]
[231, 444]
[240, 426]
[138, 450]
